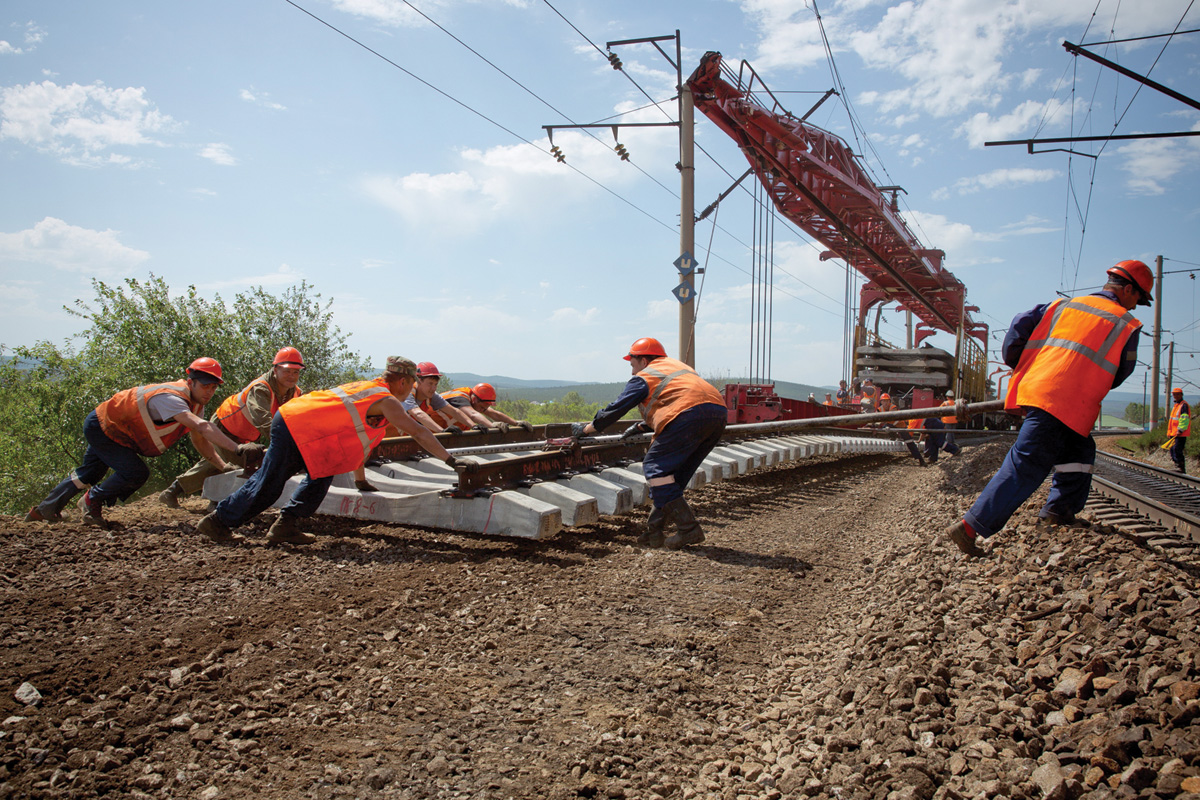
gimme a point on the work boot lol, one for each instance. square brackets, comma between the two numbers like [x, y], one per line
[1063, 520]
[653, 535]
[93, 510]
[965, 540]
[687, 529]
[286, 530]
[169, 496]
[217, 531]
[37, 515]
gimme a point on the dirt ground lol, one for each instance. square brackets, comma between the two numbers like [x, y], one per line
[387, 661]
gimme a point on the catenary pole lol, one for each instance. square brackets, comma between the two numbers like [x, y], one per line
[687, 208]
[1157, 342]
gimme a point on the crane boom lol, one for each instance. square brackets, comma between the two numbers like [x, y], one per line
[817, 182]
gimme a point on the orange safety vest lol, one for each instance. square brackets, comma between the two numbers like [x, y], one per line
[440, 419]
[234, 418]
[331, 427]
[674, 388]
[914, 424]
[1180, 422]
[953, 418]
[125, 418]
[1069, 362]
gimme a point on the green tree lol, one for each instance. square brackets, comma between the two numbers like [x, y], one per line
[138, 334]
[1137, 413]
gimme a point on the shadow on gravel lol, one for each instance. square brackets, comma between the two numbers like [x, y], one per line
[741, 558]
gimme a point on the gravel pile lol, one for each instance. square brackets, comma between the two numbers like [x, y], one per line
[823, 642]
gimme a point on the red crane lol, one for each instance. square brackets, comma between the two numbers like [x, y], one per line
[817, 182]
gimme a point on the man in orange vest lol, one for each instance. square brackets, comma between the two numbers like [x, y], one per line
[951, 419]
[137, 422]
[322, 433]
[425, 402]
[478, 404]
[244, 417]
[1179, 425]
[1066, 356]
[687, 416]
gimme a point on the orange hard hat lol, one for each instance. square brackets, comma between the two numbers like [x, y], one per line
[288, 356]
[1177, 390]
[646, 346]
[427, 369]
[1137, 273]
[209, 366]
[885, 396]
[485, 392]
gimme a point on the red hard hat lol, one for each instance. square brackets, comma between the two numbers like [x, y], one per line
[428, 369]
[646, 346]
[1138, 274]
[289, 356]
[209, 366]
[485, 392]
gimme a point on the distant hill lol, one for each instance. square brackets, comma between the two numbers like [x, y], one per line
[545, 391]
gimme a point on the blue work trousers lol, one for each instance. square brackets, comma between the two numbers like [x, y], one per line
[1177, 455]
[680, 448]
[129, 471]
[281, 462]
[1044, 444]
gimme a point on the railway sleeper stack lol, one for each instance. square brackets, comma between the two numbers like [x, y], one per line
[415, 492]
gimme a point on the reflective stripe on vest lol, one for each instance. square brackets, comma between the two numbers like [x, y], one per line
[125, 418]
[234, 417]
[1068, 364]
[674, 388]
[330, 427]
[1180, 422]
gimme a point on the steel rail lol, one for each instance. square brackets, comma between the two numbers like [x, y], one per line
[1170, 517]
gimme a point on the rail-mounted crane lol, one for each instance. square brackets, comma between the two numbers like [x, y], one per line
[818, 183]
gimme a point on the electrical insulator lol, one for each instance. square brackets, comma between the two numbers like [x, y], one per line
[616, 62]
[622, 152]
[557, 152]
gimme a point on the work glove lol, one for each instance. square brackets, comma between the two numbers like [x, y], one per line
[453, 431]
[501, 426]
[577, 430]
[479, 426]
[525, 425]
[635, 429]
[365, 486]
[251, 454]
[462, 467]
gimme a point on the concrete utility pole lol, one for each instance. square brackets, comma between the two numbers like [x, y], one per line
[687, 208]
[1170, 371]
[1157, 341]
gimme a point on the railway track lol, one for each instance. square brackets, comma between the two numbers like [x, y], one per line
[1159, 507]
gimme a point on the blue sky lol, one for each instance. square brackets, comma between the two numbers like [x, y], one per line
[231, 144]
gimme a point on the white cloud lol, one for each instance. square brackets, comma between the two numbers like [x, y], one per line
[218, 153]
[260, 99]
[1018, 123]
[56, 244]
[31, 37]
[997, 179]
[573, 316]
[203, 191]
[79, 123]
[454, 200]
[282, 277]
[1152, 163]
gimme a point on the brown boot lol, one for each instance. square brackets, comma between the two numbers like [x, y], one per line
[93, 511]
[218, 531]
[286, 530]
[169, 497]
[687, 529]
[965, 540]
[653, 535]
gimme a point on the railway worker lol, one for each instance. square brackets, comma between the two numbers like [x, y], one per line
[243, 417]
[828, 399]
[424, 403]
[907, 436]
[950, 419]
[843, 395]
[134, 423]
[323, 433]
[1179, 425]
[1066, 356]
[478, 404]
[687, 415]
[885, 402]
[869, 396]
